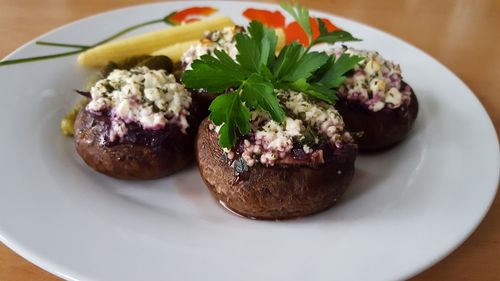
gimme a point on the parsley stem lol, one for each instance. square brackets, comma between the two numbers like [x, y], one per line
[45, 43]
[114, 36]
[311, 44]
[30, 59]
[81, 48]
[127, 30]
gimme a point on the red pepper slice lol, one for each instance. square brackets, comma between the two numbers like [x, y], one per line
[271, 19]
[186, 15]
[294, 32]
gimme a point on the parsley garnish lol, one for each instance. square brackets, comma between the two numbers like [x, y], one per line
[255, 74]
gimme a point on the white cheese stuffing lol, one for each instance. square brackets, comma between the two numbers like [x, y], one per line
[148, 97]
[393, 96]
[318, 115]
[275, 136]
[222, 40]
[307, 149]
[376, 82]
[273, 141]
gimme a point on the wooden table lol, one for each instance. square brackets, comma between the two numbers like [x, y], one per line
[462, 34]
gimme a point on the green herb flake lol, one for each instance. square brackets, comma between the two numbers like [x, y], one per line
[240, 166]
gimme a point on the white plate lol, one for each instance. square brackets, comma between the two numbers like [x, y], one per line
[405, 210]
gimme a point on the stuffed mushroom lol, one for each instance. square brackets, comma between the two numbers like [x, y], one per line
[280, 170]
[377, 106]
[140, 123]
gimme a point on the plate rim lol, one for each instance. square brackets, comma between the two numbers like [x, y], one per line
[53, 267]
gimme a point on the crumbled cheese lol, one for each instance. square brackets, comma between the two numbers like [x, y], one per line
[294, 127]
[274, 137]
[307, 149]
[372, 67]
[98, 104]
[150, 98]
[268, 158]
[393, 96]
[376, 106]
[222, 40]
[377, 85]
[376, 82]
[319, 115]
[273, 141]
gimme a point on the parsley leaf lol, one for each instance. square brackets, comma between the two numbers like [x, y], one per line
[248, 52]
[258, 92]
[322, 92]
[306, 66]
[288, 56]
[301, 15]
[211, 73]
[228, 110]
[314, 89]
[333, 77]
[332, 37]
[257, 47]
[266, 39]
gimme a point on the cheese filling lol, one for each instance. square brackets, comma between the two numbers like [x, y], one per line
[376, 82]
[151, 98]
[222, 40]
[308, 124]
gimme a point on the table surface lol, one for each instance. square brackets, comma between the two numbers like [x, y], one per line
[462, 34]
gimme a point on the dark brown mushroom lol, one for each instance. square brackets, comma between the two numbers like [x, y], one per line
[374, 131]
[283, 191]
